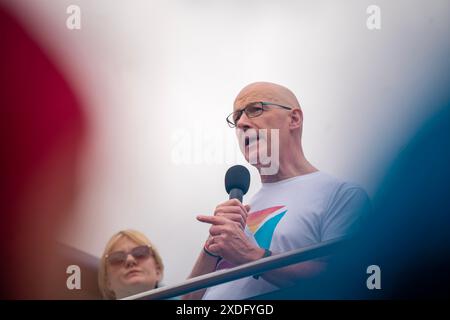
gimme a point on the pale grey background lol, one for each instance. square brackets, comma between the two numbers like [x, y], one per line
[146, 69]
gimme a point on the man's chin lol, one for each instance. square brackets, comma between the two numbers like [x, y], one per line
[253, 155]
[256, 165]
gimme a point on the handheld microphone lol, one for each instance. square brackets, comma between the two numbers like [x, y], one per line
[237, 181]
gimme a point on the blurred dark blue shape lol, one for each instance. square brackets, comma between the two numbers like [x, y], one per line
[407, 234]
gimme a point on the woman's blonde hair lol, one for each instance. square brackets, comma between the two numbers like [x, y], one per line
[133, 235]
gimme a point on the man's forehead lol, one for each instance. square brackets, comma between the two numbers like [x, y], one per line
[256, 96]
[267, 92]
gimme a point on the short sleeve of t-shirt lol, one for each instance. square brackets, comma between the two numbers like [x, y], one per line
[346, 208]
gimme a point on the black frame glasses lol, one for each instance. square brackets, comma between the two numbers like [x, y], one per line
[119, 258]
[252, 110]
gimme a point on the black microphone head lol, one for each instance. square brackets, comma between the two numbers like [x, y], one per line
[237, 177]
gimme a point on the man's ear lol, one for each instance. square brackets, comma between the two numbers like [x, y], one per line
[296, 119]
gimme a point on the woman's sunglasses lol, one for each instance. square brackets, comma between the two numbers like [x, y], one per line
[118, 258]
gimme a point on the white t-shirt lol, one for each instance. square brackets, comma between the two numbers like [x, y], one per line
[291, 214]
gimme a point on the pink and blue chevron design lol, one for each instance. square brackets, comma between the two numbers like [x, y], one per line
[263, 223]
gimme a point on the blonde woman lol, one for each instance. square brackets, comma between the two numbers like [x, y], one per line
[130, 264]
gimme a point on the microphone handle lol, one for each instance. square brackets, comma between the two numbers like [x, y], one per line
[236, 194]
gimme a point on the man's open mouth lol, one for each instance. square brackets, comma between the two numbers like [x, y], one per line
[250, 140]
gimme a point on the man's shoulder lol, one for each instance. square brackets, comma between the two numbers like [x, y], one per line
[336, 189]
[316, 186]
[329, 183]
[338, 183]
[347, 194]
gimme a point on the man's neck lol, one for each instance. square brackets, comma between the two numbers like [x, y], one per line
[289, 167]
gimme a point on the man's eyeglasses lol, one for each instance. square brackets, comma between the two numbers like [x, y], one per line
[118, 258]
[251, 110]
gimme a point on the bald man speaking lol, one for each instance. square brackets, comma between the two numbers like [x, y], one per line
[297, 205]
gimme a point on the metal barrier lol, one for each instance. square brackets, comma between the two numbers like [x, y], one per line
[253, 268]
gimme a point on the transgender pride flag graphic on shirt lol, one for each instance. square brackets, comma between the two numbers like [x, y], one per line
[263, 223]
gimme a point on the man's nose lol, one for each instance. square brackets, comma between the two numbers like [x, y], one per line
[244, 122]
